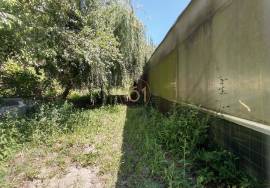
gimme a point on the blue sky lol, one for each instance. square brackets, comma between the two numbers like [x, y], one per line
[159, 15]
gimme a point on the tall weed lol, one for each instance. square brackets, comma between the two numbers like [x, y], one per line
[176, 148]
[47, 120]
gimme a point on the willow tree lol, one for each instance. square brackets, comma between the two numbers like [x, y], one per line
[81, 43]
[130, 33]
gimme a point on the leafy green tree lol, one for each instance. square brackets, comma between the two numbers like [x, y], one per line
[18, 81]
[81, 43]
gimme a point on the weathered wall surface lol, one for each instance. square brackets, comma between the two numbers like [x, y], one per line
[218, 45]
[164, 76]
[217, 56]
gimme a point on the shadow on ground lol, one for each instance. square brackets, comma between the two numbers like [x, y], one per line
[134, 170]
[86, 102]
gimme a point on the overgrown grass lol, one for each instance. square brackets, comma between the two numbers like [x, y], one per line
[174, 150]
[35, 127]
[131, 146]
[58, 136]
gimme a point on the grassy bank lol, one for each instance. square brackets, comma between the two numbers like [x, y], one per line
[62, 137]
[113, 146]
[173, 150]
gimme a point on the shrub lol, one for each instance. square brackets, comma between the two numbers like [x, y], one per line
[183, 131]
[179, 151]
[19, 81]
[8, 138]
[220, 168]
[47, 120]
[85, 100]
[51, 88]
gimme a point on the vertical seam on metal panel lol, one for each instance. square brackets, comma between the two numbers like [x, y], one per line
[177, 72]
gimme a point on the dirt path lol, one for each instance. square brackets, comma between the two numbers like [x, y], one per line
[75, 177]
[87, 158]
[99, 153]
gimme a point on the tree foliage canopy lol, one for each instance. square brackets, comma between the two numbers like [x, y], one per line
[79, 43]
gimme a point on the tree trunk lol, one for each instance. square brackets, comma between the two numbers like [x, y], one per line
[103, 96]
[66, 92]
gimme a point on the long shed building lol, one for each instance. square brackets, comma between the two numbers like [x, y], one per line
[216, 57]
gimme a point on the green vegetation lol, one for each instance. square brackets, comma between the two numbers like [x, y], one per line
[77, 44]
[174, 150]
[19, 82]
[46, 143]
[49, 119]
[69, 48]
[130, 146]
